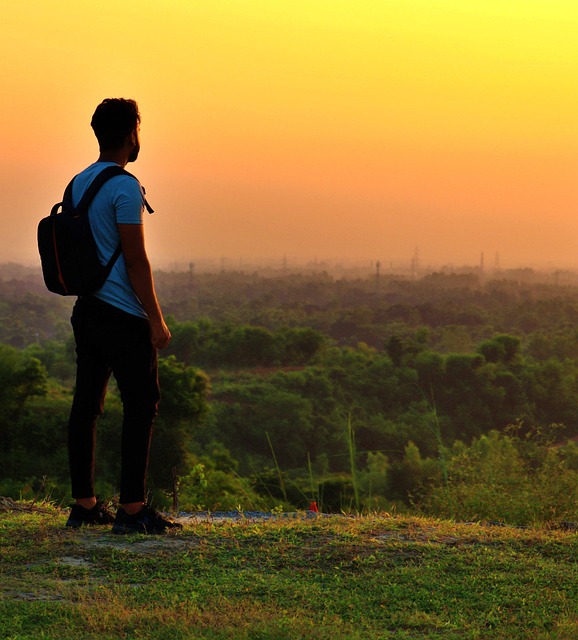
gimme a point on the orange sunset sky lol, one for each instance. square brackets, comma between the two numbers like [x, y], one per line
[356, 129]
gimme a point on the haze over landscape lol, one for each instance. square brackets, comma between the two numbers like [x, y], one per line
[333, 129]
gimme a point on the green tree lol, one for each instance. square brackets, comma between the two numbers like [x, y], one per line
[21, 378]
[184, 392]
[501, 348]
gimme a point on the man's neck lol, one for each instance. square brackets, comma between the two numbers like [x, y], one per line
[118, 157]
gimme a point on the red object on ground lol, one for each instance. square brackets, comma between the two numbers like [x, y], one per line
[313, 507]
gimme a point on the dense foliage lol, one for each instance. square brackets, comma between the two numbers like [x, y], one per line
[280, 389]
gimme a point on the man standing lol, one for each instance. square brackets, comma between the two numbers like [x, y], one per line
[118, 329]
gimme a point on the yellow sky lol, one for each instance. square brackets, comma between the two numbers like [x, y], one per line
[313, 128]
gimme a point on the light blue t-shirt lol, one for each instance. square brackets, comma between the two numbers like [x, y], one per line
[119, 201]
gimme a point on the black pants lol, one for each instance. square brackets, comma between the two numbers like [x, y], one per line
[108, 340]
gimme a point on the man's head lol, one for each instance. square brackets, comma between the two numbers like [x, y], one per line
[115, 121]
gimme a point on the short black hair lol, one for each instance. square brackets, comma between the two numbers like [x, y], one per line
[114, 120]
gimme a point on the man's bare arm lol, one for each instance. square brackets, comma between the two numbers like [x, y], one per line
[141, 278]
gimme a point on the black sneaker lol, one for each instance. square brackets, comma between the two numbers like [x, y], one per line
[147, 520]
[99, 514]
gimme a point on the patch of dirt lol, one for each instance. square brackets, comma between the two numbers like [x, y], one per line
[143, 547]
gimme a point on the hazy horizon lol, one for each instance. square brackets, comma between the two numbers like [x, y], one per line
[412, 265]
[334, 130]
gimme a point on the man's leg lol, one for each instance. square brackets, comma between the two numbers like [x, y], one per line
[136, 373]
[137, 380]
[92, 377]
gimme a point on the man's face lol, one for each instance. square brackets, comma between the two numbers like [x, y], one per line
[134, 153]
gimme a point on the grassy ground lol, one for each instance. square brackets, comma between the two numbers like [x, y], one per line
[325, 578]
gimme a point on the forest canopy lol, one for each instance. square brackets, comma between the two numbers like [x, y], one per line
[284, 388]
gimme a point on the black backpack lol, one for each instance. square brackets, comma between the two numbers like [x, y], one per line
[67, 248]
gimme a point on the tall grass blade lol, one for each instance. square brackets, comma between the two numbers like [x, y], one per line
[277, 468]
[352, 462]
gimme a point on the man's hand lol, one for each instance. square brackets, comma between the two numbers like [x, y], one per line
[160, 334]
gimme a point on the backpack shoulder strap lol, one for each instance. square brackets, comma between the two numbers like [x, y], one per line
[106, 174]
[147, 205]
[96, 184]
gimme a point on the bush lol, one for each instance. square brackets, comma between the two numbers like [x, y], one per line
[507, 478]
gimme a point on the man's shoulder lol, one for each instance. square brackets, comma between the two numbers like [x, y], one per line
[124, 181]
[124, 184]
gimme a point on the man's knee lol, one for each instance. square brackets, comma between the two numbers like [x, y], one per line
[86, 408]
[143, 410]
